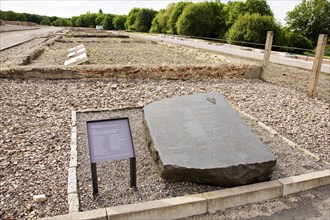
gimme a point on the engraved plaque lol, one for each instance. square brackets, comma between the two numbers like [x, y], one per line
[109, 140]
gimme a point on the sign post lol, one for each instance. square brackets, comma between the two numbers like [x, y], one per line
[110, 139]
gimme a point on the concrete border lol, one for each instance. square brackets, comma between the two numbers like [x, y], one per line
[208, 202]
[73, 198]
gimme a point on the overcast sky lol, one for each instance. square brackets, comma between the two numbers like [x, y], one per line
[69, 8]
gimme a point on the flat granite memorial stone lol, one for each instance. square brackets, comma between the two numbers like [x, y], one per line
[201, 138]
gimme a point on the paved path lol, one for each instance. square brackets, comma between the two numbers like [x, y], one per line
[234, 51]
[9, 39]
[311, 204]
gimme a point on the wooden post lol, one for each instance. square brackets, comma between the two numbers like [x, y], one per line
[268, 50]
[312, 87]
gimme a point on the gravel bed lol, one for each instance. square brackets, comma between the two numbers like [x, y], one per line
[36, 115]
[13, 56]
[114, 176]
[119, 52]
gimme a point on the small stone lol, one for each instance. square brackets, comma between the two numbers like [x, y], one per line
[114, 86]
[29, 207]
[39, 198]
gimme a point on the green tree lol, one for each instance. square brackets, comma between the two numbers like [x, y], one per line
[158, 24]
[143, 19]
[100, 11]
[107, 25]
[174, 16]
[119, 22]
[258, 6]
[234, 9]
[131, 17]
[99, 20]
[296, 40]
[205, 19]
[253, 28]
[21, 17]
[79, 22]
[61, 22]
[310, 18]
[74, 21]
[10, 16]
[89, 20]
[45, 21]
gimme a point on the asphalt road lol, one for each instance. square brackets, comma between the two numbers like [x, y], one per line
[236, 51]
[12, 38]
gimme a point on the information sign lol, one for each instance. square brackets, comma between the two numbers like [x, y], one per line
[108, 140]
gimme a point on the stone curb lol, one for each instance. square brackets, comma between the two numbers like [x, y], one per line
[73, 199]
[209, 202]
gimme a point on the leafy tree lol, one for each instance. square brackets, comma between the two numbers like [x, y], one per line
[21, 17]
[61, 22]
[205, 19]
[34, 18]
[253, 28]
[310, 18]
[234, 9]
[258, 6]
[45, 21]
[107, 25]
[158, 24]
[174, 16]
[119, 22]
[89, 20]
[74, 21]
[297, 40]
[143, 19]
[10, 16]
[100, 19]
[2, 15]
[100, 11]
[79, 22]
[130, 22]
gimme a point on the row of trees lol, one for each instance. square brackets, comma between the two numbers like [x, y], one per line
[13, 16]
[108, 21]
[246, 21]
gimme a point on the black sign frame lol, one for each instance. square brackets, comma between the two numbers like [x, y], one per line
[93, 163]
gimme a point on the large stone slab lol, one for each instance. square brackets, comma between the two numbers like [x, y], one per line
[201, 138]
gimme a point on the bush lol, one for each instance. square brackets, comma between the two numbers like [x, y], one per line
[119, 22]
[253, 28]
[204, 19]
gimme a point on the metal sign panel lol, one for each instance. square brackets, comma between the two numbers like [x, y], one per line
[110, 139]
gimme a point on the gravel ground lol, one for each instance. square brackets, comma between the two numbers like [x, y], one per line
[114, 177]
[13, 56]
[120, 52]
[36, 114]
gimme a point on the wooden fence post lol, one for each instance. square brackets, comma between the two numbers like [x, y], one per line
[312, 87]
[268, 50]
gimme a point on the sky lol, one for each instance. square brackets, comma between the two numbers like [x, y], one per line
[69, 8]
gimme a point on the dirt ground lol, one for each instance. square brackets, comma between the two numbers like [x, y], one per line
[35, 114]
